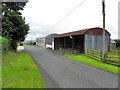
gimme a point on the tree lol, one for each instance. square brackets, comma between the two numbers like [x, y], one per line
[117, 43]
[13, 24]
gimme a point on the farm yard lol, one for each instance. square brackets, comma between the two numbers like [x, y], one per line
[90, 57]
[59, 44]
[88, 43]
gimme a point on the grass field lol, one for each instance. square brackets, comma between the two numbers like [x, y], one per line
[94, 63]
[3, 46]
[19, 71]
[28, 43]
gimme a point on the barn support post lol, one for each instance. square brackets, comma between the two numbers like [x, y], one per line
[58, 43]
[83, 43]
[55, 43]
[73, 43]
[64, 43]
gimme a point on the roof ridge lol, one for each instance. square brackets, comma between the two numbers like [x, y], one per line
[77, 32]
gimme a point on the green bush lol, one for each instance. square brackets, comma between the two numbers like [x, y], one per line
[4, 43]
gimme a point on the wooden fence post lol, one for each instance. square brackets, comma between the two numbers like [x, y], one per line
[101, 55]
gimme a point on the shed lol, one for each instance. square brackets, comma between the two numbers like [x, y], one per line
[112, 44]
[40, 41]
[49, 40]
[90, 38]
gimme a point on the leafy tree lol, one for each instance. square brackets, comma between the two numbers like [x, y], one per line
[117, 43]
[13, 24]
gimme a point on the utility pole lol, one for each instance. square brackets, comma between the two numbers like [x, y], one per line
[103, 37]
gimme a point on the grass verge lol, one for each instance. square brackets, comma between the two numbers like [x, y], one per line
[28, 43]
[91, 62]
[19, 71]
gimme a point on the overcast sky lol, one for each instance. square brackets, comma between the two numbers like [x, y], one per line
[42, 15]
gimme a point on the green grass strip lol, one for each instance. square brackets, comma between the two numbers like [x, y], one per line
[89, 61]
[20, 71]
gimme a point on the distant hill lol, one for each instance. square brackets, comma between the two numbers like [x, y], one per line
[27, 41]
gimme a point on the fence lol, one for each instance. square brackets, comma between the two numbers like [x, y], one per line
[110, 57]
[93, 54]
[113, 58]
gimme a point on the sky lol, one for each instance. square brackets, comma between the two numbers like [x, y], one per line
[43, 15]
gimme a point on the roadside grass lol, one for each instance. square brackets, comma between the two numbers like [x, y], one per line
[91, 62]
[27, 43]
[20, 71]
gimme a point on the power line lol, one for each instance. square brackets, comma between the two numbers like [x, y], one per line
[67, 15]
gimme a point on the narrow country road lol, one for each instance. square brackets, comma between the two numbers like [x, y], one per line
[60, 72]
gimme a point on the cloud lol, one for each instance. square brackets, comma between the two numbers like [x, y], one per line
[42, 15]
[33, 36]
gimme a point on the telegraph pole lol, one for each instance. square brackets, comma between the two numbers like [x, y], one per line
[103, 37]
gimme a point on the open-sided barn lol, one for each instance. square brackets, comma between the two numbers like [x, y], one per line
[90, 38]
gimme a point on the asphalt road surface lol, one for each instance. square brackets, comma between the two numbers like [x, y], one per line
[60, 72]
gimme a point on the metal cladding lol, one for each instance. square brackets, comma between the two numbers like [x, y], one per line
[90, 31]
[49, 38]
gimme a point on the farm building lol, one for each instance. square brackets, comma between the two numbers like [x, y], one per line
[112, 44]
[40, 41]
[90, 38]
[49, 41]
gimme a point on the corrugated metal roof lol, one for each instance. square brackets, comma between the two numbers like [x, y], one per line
[51, 35]
[92, 31]
[49, 38]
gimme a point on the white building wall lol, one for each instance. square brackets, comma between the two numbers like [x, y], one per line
[48, 46]
[40, 42]
[53, 45]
